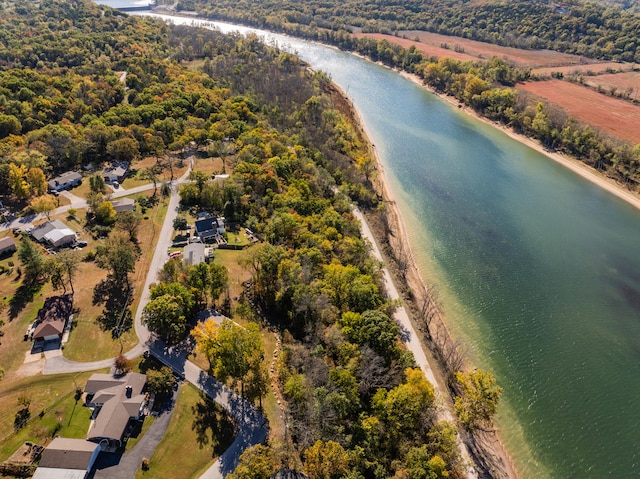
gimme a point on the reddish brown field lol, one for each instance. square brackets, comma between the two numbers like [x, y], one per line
[481, 50]
[589, 69]
[430, 50]
[618, 118]
[628, 82]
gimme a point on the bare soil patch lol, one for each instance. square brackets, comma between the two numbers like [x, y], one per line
[481, 50]
[618, 118]
[627, 83]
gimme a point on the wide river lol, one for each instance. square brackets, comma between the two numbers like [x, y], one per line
[538, 270]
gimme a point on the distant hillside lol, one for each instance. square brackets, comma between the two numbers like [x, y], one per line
[589, 29]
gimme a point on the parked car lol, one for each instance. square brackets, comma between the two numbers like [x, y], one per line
[175, 254]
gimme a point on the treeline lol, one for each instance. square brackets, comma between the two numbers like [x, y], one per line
[588, 29]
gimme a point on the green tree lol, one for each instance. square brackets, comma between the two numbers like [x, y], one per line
[9, 125]
[478, 399]
[167, 313]
[129, 222]
[33, 264]
[373, 328]
[97, 184]
[180, 223]
[218, 279]
[421, 464]
[118, 256]
[160, 381]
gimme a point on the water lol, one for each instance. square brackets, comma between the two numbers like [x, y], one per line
[538, 269]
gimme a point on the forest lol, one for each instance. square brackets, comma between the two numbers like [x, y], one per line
[356, 405]
[584, 28]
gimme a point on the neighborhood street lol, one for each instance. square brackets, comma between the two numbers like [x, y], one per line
[250, 424]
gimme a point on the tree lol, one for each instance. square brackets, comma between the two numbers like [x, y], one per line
[17, 182]
[373, 328]
[421, 464]
[122, 364]
[69, 261]
[218, 279]
[117, 255]
[97, 184]
[326, 460]
[256, 462]
[180, 223]
[233, 352]
[9, 125]
[55, 273]
[160, 381]
[478, 400]
[37, 181]
[124, 149]
[129, 222]
[43, 204]
[32, 261]
[150, 175]
[105, 213]
[167, 313]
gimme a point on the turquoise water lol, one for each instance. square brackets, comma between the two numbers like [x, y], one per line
[538, 270]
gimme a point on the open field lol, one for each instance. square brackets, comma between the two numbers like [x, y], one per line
[53, 410]
[480, 50]
[621, 83]
[589, 69]
[134, 178]
[616, 117]
[199, 432]
[209, 166]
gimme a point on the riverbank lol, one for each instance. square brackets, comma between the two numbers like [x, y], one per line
[490, 457]
[568, 162]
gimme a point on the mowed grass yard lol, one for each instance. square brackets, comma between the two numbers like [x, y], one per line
[54, 410]
[198, 433]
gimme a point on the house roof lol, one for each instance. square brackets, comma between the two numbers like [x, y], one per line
[121, 403]
[56, 235]
[118, 169]
[53, 316]
[194, 253]
[67, 453]
[7, 243]
[58, 473]
[66, 177]
[205, 224]
[124, 204]
[39, 232]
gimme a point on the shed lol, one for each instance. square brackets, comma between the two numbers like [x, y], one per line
[7, 246]
[67, 459]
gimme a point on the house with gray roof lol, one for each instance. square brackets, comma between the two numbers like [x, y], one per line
[54, 233]
[116, 401]
[116, 172]
[66, 180]
[124, 204]
[7, 246]
[67, 458]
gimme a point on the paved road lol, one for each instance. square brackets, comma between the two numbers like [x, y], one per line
[410, 338]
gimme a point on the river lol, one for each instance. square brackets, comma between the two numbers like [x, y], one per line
[538, 270]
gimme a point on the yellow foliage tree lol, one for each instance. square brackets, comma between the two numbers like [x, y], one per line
[326, 460]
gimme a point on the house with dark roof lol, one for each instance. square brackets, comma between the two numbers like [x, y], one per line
[208, 228]
[66, 180]
[115, 172]
[116, 401]
[7, 246]
[67, 459]
[52, 318]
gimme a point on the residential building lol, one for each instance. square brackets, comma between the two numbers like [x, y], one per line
[54, 233]
[124, 204]
[209, 228]
[67, 459]
[195, 253]
[7, 246]
[52, 318]
[66, 180]
[116, 172]
[117, 400]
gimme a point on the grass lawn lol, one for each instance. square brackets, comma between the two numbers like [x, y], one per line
[53, 410]
[83, 189]
[133, 179]
[238, 274]
[198, 433]
[209, 166]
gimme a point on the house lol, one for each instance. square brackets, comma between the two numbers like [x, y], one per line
[116, 172]
[117, 400]
[124, 204]
[7, 246]
[195, 253]
[67, 459]
[209, 228]
[66, 180]
[52, 318]
[54, 233]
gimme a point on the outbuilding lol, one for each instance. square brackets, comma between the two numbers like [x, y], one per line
[67, 458]
[7, 246]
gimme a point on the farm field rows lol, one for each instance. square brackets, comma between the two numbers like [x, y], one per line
[614, 116]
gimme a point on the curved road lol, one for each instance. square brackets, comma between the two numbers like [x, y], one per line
[250, 424]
